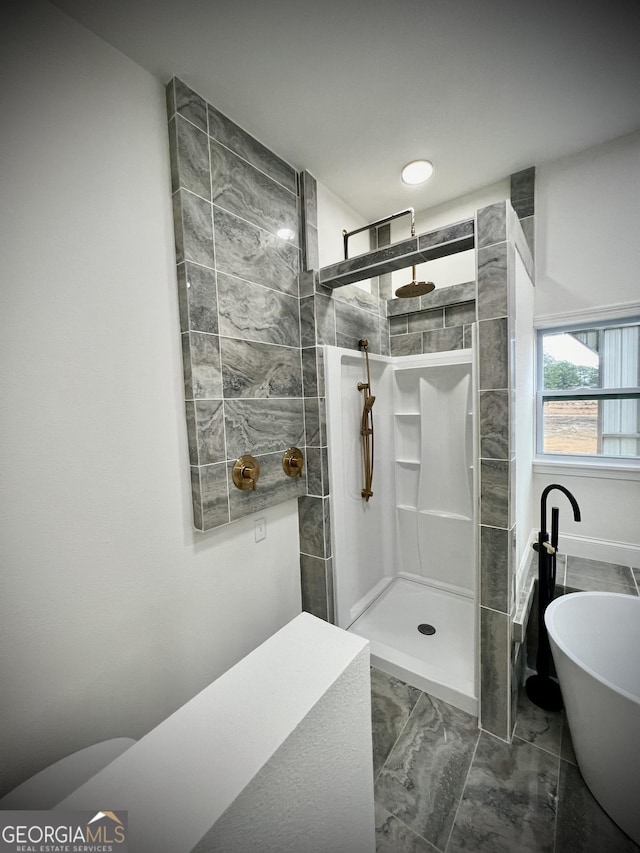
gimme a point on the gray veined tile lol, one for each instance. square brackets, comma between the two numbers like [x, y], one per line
[357, 296]
[242, 189]
[190, 412]
[494, 424]
[495, 698]
[494, 568]
[325, 319]
[197, 298]
[509, 800]
[493, 355]
[492, 224]
[197, 229]
[313, 581]
[263, 426]
[309, 372]
[584, 574]
[424, 321]
[210, 431]
[255, 313]
[422, 780]
[306, 283]
[523, 184]
[312, 421]
[307, 322]
[406, 344]
[492, 282]
[251, 369]
[494, 493]
[392, 701]
[249, 252]
[313, 464]
[399, 326]
[214, 495]
[458, 315]
[191, 159]
[392, 836]
[311, 526]
[311, 251]
[567, 752]
[196, 497]
[443, 340]
[583, 826]
[201, 361]
[241, 143]
[187, 103]
[537, 726]
[310, 198]
[353, 323]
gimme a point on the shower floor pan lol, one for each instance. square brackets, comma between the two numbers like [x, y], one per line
[441, 664]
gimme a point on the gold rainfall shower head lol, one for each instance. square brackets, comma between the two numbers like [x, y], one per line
[415, 288]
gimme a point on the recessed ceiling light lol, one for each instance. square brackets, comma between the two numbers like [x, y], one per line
[286, 233]
[417, 172]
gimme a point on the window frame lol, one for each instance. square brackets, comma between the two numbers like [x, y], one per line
[576, 461]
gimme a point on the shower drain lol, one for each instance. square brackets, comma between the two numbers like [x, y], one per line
[426, 629]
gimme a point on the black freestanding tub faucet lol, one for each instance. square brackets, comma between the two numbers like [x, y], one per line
[541, 689]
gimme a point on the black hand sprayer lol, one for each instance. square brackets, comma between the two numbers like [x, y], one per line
[541, 689]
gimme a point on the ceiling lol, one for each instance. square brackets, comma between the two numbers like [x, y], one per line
[352, 91]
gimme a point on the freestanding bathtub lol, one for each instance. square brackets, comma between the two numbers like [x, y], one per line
[595, 641]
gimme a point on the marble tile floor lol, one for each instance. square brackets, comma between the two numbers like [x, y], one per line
[443, 785]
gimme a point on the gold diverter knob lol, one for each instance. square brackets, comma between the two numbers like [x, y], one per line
[292, 462]
[246, 472]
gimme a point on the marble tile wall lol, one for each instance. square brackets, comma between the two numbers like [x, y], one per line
[239, 307]
[500, 235]
[495, 259]
[442, 321]
[523, 202]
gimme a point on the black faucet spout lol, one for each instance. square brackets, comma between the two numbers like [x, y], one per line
[543, 504]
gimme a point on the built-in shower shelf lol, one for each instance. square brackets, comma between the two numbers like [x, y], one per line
[407, 414]
[414, 463]
[407, 507]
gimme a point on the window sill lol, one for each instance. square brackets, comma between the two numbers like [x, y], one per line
[604, 469]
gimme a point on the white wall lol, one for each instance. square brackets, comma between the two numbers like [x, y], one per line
[113, 611]
[587, 259]
[587, 226]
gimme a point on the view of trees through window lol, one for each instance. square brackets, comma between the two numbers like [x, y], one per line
[589, 399]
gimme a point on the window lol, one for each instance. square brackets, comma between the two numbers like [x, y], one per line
[588, 397]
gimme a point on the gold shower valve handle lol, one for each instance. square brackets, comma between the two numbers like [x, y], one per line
[246, 472]
[293, 462]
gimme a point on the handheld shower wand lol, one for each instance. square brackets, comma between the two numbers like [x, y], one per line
[366, 425]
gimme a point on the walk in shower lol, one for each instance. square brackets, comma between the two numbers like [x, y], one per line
[405, 560]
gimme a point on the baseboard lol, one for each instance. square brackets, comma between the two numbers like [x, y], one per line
[622, 553]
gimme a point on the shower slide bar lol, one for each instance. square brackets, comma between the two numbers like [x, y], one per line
[366, 425]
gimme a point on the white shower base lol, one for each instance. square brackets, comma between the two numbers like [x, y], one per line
[441, 664]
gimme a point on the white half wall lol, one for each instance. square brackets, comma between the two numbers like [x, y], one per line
[113, 611]
[274, 757]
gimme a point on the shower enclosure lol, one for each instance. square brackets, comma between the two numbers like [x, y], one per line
[405, 561]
